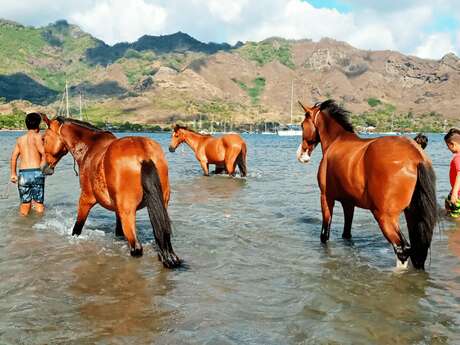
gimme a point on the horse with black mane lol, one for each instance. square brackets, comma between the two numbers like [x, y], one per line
[226, 152]
[122, 175]
[386, 175]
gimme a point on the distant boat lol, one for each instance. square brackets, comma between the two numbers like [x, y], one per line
[292, 129]
[266, 132]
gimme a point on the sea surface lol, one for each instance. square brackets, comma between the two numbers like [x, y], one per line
[255, 273]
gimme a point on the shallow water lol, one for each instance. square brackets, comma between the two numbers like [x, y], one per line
[255, 272]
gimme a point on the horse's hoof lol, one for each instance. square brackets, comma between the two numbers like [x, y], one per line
[324, 238]
[346, 236]
[169, 260]
[136, 252]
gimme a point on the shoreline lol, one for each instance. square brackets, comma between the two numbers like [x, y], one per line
[6, 130]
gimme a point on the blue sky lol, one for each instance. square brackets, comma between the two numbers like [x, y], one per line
[428, 29]
[340, 6]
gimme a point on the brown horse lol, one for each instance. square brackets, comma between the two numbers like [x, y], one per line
[225, 152]
[386, 175]
[122, 175]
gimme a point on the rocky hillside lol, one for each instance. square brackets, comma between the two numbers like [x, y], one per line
[159, 79]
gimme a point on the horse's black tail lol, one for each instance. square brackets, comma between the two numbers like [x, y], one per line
[159, 218]
[422, 214]
[241, 161]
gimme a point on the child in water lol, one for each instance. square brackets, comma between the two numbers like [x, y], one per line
[422, 140]
[452, 140]
[31, 181]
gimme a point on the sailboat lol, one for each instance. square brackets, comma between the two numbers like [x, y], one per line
[266, 132]
[392, 132]
[291, 129]
[65, 98]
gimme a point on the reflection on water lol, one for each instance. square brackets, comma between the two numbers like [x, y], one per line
[118, 300]
[256, 270]
[202, 189]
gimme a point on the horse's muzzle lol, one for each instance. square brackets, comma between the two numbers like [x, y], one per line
[172, 149]
[302, 156]
[47, 170]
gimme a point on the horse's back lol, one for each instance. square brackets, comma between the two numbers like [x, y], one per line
[216, 148]
[373, 170]
[391, 165]
[233, 140]
[123, 162]
[396, 152]
[142, 148]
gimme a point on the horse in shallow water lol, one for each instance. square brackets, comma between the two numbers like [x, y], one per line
[226, 152]
[122, 175]
[386, 175]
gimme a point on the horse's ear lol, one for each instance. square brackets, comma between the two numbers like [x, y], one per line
[307, 110]
[175, 127]
[46, 119]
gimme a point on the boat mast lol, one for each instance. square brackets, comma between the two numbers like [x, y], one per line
[66, 98]
[292, 96]
[392, 115]
[81, 116]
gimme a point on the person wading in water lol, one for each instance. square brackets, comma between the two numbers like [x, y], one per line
[31, 153]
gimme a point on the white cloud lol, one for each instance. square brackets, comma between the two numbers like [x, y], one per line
[295, 20]
[118, 20]
[375, 37]
[227, 11]
[405, 25]
[435, 46]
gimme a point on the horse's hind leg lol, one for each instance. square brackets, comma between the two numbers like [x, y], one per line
[327, 206]
[389, 224]
[348, 211]
[220, 169]
[119, 228]
[230, 161]
[241, 162]
[128, 223]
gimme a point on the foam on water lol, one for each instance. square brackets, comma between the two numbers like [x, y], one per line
[59, 221]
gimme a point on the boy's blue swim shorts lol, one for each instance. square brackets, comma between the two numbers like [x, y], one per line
[31, 185]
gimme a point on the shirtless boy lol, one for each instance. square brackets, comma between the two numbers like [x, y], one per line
[31, 153]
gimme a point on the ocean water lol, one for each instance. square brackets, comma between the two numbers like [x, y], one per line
[255, 273]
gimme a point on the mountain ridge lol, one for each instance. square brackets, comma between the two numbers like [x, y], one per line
[166, 77]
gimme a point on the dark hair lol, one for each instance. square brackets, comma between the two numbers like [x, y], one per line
[453, 135]
[421, 139]
[341, 115]
[33, 121]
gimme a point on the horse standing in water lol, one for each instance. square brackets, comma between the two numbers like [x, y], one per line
[386, 175]
[225, 152]
[122, 175]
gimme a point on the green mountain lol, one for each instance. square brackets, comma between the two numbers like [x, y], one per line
[163, 79]
[176, 43]
[46, 56]
[37, 61]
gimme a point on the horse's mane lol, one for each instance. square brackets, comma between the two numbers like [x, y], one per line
[87, 125]
[176, 127]
[339, 114]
